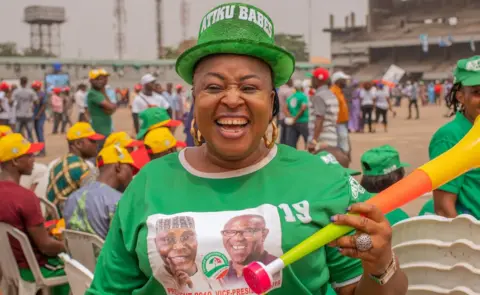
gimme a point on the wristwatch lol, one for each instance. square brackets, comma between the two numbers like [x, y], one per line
[388, 274]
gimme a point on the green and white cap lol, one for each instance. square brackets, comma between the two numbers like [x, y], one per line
[237, 28]
[467, 71]
[381, 160]
[330, 159]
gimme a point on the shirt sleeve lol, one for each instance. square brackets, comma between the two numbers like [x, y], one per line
[95, 98]
[118, 271]
[438, 146]
[345, 270]
[163, 102]
[135, 105]
[319, 106]
[30, 208]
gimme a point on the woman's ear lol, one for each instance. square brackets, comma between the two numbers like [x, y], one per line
[460, 96]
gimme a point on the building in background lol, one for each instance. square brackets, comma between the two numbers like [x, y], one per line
[423, 37]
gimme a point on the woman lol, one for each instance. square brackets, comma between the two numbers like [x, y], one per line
[367, 98]
[234, 193]
[354, 122]
[382, 105]
[461, 194]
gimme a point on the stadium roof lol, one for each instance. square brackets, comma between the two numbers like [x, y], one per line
[117, 63]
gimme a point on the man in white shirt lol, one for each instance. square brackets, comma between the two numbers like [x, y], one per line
[80, 100]
[147, 98]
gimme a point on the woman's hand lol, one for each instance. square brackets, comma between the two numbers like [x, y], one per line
[372, 222]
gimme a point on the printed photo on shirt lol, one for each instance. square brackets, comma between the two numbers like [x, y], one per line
[202, 252]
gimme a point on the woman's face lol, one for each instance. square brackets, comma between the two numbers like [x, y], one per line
[233, 103]
[469, 96]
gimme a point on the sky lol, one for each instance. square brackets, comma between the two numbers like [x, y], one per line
[90, 31]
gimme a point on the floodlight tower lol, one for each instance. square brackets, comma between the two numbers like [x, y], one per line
[120, 22]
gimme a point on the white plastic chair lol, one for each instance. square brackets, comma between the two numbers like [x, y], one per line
[49, 209]
[11, 274]
[439, 255]
[434, 227]
[83, 247]
[79, 277]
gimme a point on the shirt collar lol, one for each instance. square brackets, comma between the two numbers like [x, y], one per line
[463, 121]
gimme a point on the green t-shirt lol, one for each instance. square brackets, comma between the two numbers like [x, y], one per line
[101, 121]
[186, 231]
[396, 216]
[295, 102]
[466, 186]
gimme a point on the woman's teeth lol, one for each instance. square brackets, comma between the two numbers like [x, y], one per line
[239, 121]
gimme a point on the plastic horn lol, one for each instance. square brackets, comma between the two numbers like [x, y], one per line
[446, 167]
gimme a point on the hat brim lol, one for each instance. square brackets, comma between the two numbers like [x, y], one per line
[35, 148]
[166, 123]
[281, 61]
[135, 143]
[96, 136]
[474, 80]
[181, 144]
[140, 158]
[403, 164]
[352, 172]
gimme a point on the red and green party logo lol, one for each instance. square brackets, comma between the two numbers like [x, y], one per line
[215, 265]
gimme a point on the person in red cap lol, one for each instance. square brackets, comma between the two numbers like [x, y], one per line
[39, 113]
[57, 108]
[325, 112]
[4, 104]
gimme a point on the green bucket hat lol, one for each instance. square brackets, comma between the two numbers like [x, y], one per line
[237, 28]
[467, 71]
[330, 159]
[152, 118]
[381, 160]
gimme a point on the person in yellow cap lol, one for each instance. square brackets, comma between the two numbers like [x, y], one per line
[21, 209]
[122, 139]
[69, 171]
[100, 107]
[91, 208]
[161, 142]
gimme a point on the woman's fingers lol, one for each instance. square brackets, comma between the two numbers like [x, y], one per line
[368, 210]
[358, 222]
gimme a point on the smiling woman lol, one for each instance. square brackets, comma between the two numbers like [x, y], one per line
[191, 221]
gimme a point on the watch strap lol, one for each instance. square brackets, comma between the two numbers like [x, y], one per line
[388, 274]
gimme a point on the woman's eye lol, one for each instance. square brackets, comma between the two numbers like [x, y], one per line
[249, 88]
[213, 87]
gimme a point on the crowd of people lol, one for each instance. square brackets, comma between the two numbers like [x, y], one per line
[168, 213]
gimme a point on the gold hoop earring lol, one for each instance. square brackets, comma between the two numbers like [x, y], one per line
[269, 144]
[197, 136]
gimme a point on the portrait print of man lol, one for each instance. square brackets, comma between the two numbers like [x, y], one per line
[243, 239]
[176, 242]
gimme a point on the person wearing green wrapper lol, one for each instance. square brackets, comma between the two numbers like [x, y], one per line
[152, 118]
[381, 168]
[461, 195]
[190, 221]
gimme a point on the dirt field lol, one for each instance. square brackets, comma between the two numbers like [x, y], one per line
[410, 137]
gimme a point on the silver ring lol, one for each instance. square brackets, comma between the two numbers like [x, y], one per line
[363, 242]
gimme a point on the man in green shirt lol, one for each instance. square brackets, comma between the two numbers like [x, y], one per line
[296, 122]
[99, 105]
[461, 195]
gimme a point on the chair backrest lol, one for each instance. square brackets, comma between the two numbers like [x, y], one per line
[83, 247]
[79, 277]
[439, 255]
[8, 263]
[433, 227]
[49, 209]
